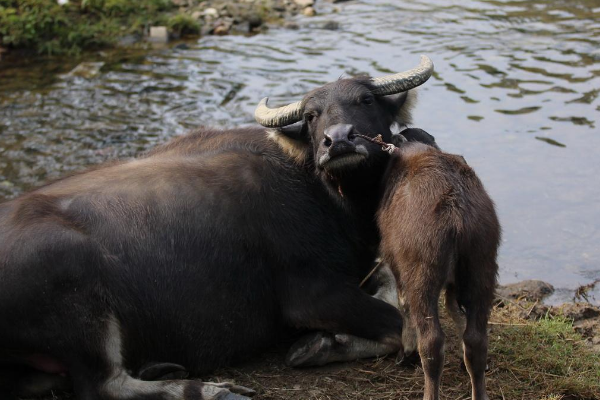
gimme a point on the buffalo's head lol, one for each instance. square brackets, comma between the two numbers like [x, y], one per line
[322, 128]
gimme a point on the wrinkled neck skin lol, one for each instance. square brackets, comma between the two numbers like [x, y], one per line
[359, 190]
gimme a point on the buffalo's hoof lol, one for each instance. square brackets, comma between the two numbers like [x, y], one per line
[229, 391]
[230, 396]
[155, 371]
[311, 350]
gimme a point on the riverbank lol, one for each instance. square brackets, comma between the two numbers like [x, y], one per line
[47, 27]
[536, 352]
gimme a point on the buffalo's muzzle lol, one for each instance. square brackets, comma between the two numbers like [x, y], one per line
[339, 139]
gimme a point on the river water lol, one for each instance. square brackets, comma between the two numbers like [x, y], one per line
[515, 91]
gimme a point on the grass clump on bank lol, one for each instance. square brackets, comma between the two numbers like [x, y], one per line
[547, 357]
[50, 28]
[183, 24]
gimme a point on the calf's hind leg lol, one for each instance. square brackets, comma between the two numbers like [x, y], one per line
[421, 288]
[475, 338]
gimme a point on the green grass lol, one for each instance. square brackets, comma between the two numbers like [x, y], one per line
[49, 28]
[548, 358]
[183, 24]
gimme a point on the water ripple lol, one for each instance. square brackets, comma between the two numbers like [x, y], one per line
[516, 90]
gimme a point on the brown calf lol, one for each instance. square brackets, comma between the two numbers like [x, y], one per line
[440, 231]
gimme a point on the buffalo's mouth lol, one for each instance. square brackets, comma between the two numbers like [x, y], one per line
[342, 160]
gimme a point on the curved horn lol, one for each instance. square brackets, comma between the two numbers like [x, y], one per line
[384, 86]
[276, 117]
[403, 81]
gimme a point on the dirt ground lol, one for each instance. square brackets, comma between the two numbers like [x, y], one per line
[531, 358]
[381, 379]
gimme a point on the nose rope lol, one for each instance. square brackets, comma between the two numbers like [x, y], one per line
[390, 148]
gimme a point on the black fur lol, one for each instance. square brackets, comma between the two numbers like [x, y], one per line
[206, 251]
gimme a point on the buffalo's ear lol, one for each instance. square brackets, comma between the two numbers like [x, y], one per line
[293, 140]
[419, 135]
[398, 139]
[399, 106]
[296, 131]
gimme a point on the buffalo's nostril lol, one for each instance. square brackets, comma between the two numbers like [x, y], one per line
[340, 133]
[327, 141]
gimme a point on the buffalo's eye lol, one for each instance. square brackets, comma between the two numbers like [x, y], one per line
[368, 100]
[310, 117]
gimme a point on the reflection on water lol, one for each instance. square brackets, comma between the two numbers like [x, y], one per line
[515, 91]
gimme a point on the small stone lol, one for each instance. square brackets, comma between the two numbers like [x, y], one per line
[304, 3]
[531, 290]
[255, 21]
[331, 25]
[128, 40]
[221, 30]
[291, 25]
[538, 311]
[87, 70]
[197, 15]
[211, 12]
[579, 311]
[158, 34]
[242, 27]
[309, 12]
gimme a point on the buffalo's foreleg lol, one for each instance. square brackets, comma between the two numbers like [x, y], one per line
[321, 348]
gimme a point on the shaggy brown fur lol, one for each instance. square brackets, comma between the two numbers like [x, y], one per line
[440, 231]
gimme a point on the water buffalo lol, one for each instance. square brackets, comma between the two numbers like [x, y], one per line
[205, 250]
